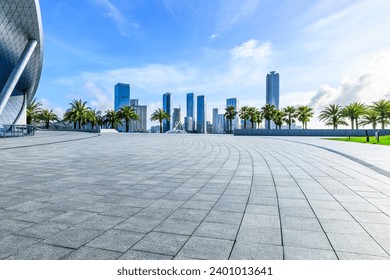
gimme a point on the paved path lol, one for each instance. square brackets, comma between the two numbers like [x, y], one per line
[190, 197]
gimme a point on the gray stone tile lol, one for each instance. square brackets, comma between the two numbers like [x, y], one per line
[43, 230]
[298, 253]
[352, 256]
[224, 217]
[121, 211]
[14, 225]
[88, 253]
[73, 217]
[100, 222]
[256, 251]
[253, 234]
[200, 205]
[155, 213]
[73, 237]
[135, 224]
[177, 226]
[116, 240]
[41, 251]
[356, 243]
[333, 214]
[230, 207]
[161, 243]
[37, 216]
[189, 214]
[337, 226]
[217, 230]
[261, 220]
[262, 209]
[305, 239]
[300, 223]
[297, 212]
[206, 248]
[370, 217]
[141, 255]
[11, 244]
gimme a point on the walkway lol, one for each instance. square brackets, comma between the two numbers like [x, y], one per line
[191, 197]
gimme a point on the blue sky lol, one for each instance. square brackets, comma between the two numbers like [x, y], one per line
[325, 51]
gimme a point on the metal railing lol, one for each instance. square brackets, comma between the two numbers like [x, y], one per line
[16, 130]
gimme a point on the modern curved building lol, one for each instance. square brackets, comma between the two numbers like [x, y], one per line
[21, 56]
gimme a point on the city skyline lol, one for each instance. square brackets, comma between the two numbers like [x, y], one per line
[332, 53]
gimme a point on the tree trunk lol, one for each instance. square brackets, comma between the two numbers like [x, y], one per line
[244, 123]
[79, 124]
[231, 126]
[357, 123]
[74, 125]
[252, 124]
[269, 124]
[352, 123]
[127, 125]
[160, 126]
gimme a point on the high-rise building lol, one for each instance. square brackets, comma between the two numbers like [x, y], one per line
[272, 92]
[122, 96]
[209, 127]
[176, 117]
[133, 102]
[215, 116]
[201, 114]
[191, 109]
[167, 101]
[220, 124]
[236, 121]
[188, 124]
[139, 125]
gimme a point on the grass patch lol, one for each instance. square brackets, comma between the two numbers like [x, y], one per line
[383, 140]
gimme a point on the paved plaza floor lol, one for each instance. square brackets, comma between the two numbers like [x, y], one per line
[68, 195]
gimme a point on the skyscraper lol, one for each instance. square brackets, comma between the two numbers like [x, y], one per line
[215, 117]
[190, 110]
[133, 102]
[176, 117]
[201, 114]
[141, 111]
[272, 92]
[122, 96]
[236, 121]
[167, 108]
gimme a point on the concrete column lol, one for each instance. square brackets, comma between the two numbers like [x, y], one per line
[16, 73]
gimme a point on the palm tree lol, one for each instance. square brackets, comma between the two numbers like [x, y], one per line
[333, 115]
[370, 117]
[94, 118]
[77, 113]
[259, 118]
[112, 118]
[47, 116]
[127, 113]
[252, 115]
[230, 114]
[290, 115]
[304, 114]
[244, 114]
[382, 107]
[278, 117]
[354, 111]
[160, 115]
[33, 110]
[268, 112]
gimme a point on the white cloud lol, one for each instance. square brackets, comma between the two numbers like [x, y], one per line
[251, 49]
[123, 22]
[59, 111]
[371, 84]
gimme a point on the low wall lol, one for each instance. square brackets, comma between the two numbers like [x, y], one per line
[309, 132]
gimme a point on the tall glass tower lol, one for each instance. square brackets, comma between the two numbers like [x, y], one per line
[272, 94]
[236, 121]
[167, 101]
[122, 96]
[201, 114]
[190, 116]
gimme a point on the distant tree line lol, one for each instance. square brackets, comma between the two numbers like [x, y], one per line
[79, 114]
